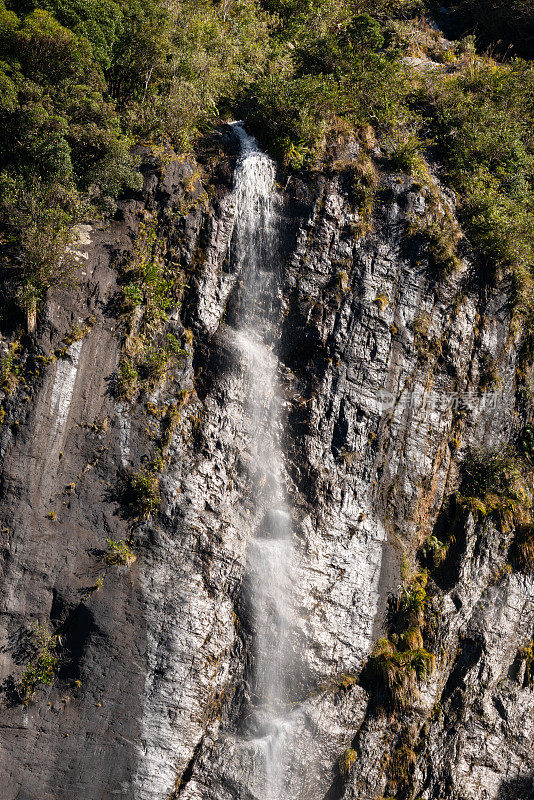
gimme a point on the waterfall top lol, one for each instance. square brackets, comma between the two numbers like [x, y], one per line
[248, 143]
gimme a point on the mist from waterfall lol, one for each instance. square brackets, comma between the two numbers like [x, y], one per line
[270, 552]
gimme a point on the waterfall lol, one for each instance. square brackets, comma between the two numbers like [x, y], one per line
[270, 549]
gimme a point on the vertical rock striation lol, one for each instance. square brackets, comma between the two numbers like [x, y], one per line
[379, 365]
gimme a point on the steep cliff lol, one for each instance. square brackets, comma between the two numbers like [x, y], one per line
[390, 373]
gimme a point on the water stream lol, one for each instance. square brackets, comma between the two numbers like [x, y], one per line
[270, 552]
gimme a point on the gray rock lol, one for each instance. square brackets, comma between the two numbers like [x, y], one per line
[153, 683]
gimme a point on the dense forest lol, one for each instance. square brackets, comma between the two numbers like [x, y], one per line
[84, 81]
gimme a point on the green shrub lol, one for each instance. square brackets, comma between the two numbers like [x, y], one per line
[119, 553]
[400, 661]
[404, 151]
[405, 611]
[338, 77]
[435, 550]
[128, 380]
[10, 368]
[37, 219]
[487, 470]
[347, 762]
[133, 294]
[61, 127]
[42, 667]
[495, 481]
[437, 228]
[526, 654]
[143, 492]
[396, 673]
[479, 120]
[151, 290]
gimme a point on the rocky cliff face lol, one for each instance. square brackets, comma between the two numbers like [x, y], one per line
[381, 366]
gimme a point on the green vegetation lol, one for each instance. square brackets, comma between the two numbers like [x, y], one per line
[80, 83]
[480, 122]
[143, 492]
[152, 288]
[437, 228]
[400, 660]
[42, 666]
[497, 482]
[434, 550]
[62, 145]
[427, 345]
[10, 369]
[119, 553]
[332, 70]
[397, 672]
[526, 656]
[347, 761]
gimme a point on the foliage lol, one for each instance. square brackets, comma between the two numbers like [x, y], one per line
[152, 289]
[58, 124]
[362, 178]
[9, 368]
[496, 482]
[78, 81]
[437, 227]
[61, 142]
[37, 220]
[82, 80]
[119, 553]
[435, 550]
[215, 53]
[405, 612]
[479, 121]
[347, 761]
[339, 75]
[42, 667]
[397, 672]
[499, 482]
[526, 655]
[399, 661]
[143, 492]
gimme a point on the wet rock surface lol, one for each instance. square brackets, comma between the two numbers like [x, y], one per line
[376, 356]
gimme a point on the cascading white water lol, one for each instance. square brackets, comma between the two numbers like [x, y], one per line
[270, 550]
